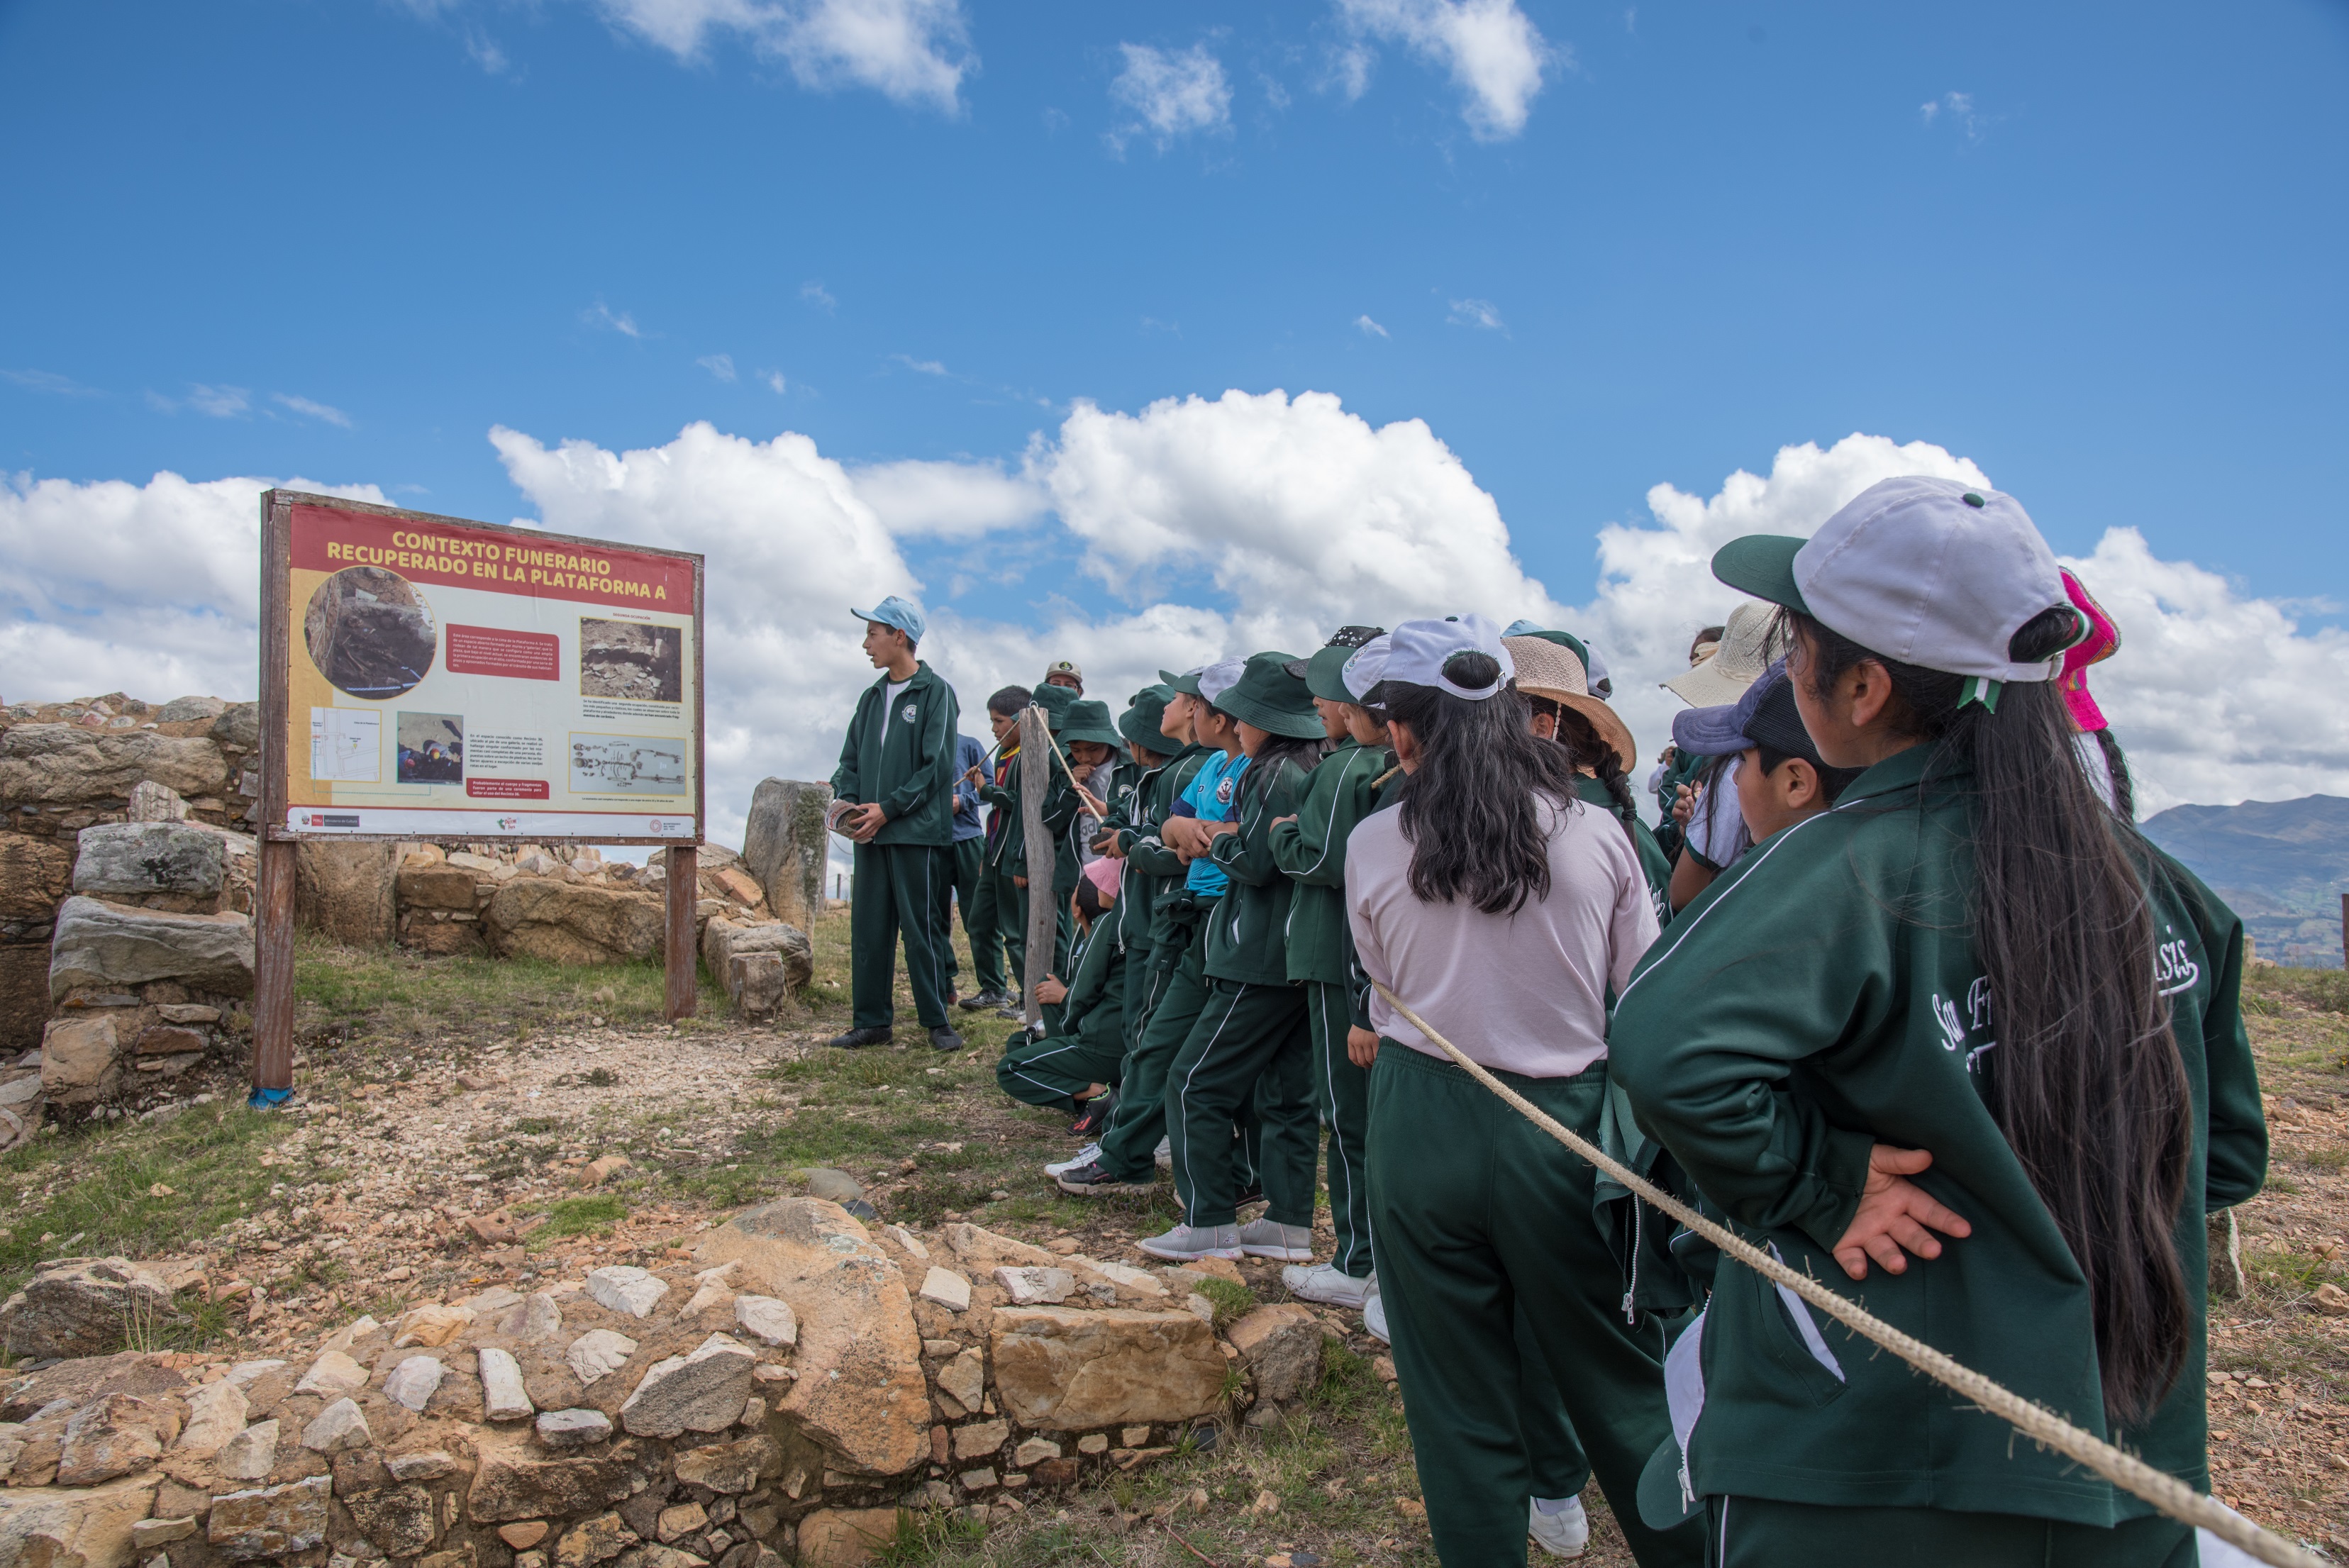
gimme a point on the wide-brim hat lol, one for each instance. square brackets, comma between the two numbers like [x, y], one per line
[1747, 646]
[1088, 719]
[1550, 664]
[1055, 701]
[1145, 712]
[1272, 699]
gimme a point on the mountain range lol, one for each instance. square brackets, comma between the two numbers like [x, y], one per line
[2282, 865]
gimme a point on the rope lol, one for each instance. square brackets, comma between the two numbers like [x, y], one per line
[2164, 1491]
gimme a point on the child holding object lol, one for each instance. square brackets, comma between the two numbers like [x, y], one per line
[1501, 908]
[1966, 1040]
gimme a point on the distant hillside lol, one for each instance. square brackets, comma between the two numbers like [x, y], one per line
[2284, 864]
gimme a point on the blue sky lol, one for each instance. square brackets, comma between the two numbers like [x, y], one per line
[2094, 250]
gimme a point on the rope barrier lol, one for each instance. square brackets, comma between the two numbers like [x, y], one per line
[2133, 1475]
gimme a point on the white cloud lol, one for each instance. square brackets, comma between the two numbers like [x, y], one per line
[1494, 52]
[911, 51]
[50, 382]
[775, 382]
[1960, 109]
[1369, 328]
[1480, 313]
[925, 366]
[619, 321]
[719, 365]
[948, 500]
[313, 408]
[1172, 92]
[816, 295]
[219, 402]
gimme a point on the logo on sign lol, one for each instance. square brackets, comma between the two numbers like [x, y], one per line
[508, 824]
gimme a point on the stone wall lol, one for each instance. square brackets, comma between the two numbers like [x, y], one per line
[784, 1389]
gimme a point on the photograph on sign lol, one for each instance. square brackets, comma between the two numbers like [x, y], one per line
[445, 679]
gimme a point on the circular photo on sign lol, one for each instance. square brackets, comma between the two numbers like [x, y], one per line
[371, 632]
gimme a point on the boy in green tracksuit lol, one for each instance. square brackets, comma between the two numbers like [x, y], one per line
[1818, 1041]
[1311, 847]
[892, 794]
[1066, 1068]
[1002, 848]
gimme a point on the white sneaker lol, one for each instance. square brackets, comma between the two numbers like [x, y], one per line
[1374, 1312]
[1085, 1156]
[1324, 1282]
[1271, 1239]
[1566, 1533]
[1184, 1242]
[1165, 1154]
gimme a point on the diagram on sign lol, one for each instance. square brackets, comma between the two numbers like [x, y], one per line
[346, 745]
[629, 764]
[370, 632]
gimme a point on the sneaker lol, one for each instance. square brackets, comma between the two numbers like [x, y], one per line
[944, 1039]
[1085, 1156]
[1566, 1533]
[984, 999]
[1186, 1242]
[854, 1038]
[1271, 1239]
[1374, 1313]
[1093, 1114]
[1011, 1010]
[1090, 1180]
[1165, 1154]
[1326, 1283]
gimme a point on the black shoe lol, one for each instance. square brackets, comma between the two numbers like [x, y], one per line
[855, 1038]
[1093, 1182]
[1010, 1010]
[944, 1039]
[1094, 1115]
[984, 1000]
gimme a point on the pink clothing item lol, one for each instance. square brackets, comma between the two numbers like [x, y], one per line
[2102, 641]
[1103, 873]
[1523, 993]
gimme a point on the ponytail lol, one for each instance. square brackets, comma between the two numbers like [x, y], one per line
[1589, 749]
[2117, 766]
[2085, 1082]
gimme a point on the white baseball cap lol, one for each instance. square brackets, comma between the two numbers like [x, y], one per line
[1928, 571]
[1366, 666]
[1417, 652]
[1220, 677]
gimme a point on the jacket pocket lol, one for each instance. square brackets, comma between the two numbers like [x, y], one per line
[1794, 1338]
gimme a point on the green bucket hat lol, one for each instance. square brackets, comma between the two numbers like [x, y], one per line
[1323, 671]
[1139, 722]
[1055, 701]
[1271, 699]
[1089, 720]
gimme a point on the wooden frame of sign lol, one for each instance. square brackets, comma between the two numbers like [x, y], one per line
[453, 553]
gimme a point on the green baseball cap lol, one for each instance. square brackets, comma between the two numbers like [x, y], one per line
[1270, 697]
[1185, 685]
[1324, 672]
[1146, 711]
[1088, 719]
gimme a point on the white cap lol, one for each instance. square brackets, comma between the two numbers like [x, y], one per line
[1366, 666]
[1928, 571]
[1220, 677]
[1418, 650]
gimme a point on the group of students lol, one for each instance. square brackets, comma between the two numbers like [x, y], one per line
[1896, 990]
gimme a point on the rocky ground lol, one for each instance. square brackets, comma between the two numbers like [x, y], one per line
[469, 1126]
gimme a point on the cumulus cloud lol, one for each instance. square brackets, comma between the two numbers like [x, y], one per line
[1171, 93]
[947, 501]
[1494, 54]
[911, 51]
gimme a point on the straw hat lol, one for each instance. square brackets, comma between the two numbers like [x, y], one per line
[1745, 651]
[1552, 669]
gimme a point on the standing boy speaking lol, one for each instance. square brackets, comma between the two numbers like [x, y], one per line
[892, 795]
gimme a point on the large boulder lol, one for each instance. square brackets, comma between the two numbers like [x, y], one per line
[859, 1391]
[1066, 1370]
[109, 947]
[784, 846]
[513, 1482]
[777, 959]
[82, 1306]
[565, 923]
[57, 765]
[137, 860]
[239, 727]
[73, 1527]
[343, 891]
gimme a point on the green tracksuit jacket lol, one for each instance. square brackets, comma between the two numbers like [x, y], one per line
[1152, 870]
[903, 759]
[1312, 850]
[1061, 808]
[1246, 940]
[1823, 995]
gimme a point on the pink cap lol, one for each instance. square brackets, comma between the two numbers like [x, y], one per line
[2102, 641]
[1104, 874]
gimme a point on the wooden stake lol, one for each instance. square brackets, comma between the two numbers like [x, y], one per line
[1035, 780]
[273, 965]
[679, 960]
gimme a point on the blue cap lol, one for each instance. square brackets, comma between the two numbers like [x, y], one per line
[902, 613]
[1719, 731]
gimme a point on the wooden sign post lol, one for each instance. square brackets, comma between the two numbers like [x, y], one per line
[1035, 783]
[434, 679]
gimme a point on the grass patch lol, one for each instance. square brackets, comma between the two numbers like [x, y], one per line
[2320, 990]
[1231, 1300]
[593, 1215]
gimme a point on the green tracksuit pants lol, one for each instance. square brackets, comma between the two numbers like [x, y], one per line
[1179, 989]
[979, 921]
[1250, 1048]
[1341, 1094]
[1053, 1070]
[1009, 907]
[898, 896]
[1754, 1533]
[1477, 1212]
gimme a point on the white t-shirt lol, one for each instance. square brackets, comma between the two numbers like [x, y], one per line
[1523, 993]
[1717, 830]
[890, 695]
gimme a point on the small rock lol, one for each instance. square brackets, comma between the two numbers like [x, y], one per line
[621, 1288]
[414, 1381]
[1384, 1367]
[150, 1533]
[538, 1317]
[426, 1464]
[573, 1428]
[1035, 1451]
[980, 1439]
[730, 1469]
[523, 1535]
[592, 1541]
[432, 1324]
[244, 1372]
[965, 1378]
[504, 1398]
[1408, 1507]
[910, 1242]
[1264, 1503]
[703, 1392]
[977, 1480]
[1034, 1286]
[710, 1296]
[250, 1455]
[114, 1435]
[341, 1427]
[331, 1375]
[1281, 1344]
[940, 1346]
[599, 1353]
[686, 1519]
[595, 1172]
[846, 1537]
[2331, 1300]
[833, 1186]
[270, 1521]
[947, 1288]
[766, 1319]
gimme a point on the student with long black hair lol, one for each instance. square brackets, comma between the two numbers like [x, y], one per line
[1970, 1028]
[1501, 909]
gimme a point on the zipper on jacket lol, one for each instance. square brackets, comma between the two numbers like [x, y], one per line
[1632, 1288]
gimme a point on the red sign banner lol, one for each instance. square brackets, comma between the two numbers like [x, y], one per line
[506, 788]
[495, 560]
[494, 651]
